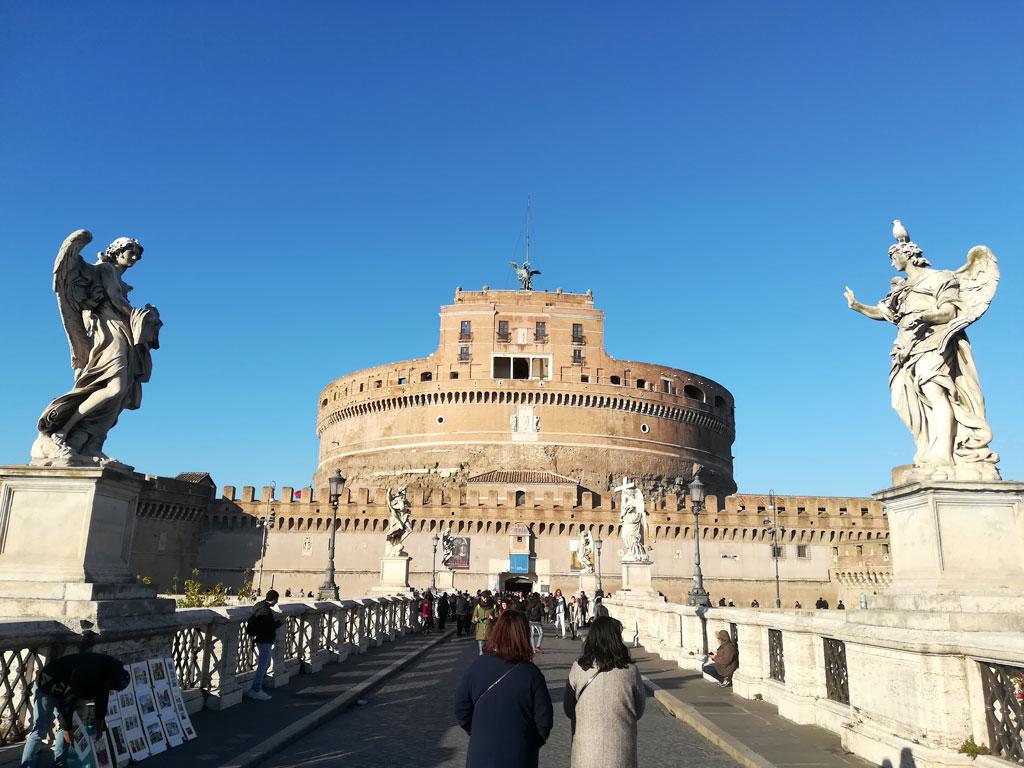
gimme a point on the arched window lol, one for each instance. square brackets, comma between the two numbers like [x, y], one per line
[426, 376]
[694, 393]
[520, 498]
[641, 383]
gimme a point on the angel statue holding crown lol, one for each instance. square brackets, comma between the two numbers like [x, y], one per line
[110, 352]
[934, 383]
[399, 523]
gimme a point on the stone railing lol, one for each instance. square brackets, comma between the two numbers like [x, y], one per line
[899, 688]
[214, 657]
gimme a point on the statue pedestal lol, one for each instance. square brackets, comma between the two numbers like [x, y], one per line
[956, 545]
[445, 580]
[636, 578]
[394, 576]
[65, 540]
[588, 583]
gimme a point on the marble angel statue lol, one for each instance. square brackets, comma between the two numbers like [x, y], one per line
[585, 551]
[633, 518]
[933, 380]
[110, 351]
[399, 523]
[447, 548]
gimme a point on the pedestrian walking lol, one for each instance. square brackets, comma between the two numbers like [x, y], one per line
[604, 697]
[599, 608]
[724, 662]
[535, 613]
[427, 613]
[574, 616]
[461, 611]
[561, 612]
[584, 605]
[484, 615]
[442, 611]
[262, 628]
[60, 686]
[503, 702]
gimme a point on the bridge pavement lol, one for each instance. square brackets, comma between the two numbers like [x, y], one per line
[408, 721]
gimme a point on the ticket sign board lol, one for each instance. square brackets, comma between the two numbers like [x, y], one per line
[518, 563]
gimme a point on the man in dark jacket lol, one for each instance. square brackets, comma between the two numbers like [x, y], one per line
[262, 627]
[535, 613]
[461, 615]
[599, 609]
[84, 676]
[442, 611]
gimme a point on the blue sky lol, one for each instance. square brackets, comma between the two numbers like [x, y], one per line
[311, 181]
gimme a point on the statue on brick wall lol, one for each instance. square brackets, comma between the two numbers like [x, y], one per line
[585, 551]
[933, 380]
[633, 518]
[447, 548]
[399, 523]
[110, 352]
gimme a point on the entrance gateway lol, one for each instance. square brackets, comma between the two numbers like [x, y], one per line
[520, 584]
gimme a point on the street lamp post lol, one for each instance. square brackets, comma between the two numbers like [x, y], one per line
[266, 523]
[433, 563]
[772, 526]
[597, 548]
[329, 589]
[698, 595]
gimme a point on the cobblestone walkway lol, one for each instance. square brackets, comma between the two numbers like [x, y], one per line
[408, 721]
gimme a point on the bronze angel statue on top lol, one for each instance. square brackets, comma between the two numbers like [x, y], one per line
[524, 274]
[110, 351]
[933, 380]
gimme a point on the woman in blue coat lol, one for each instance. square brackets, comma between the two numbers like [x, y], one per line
[503, 701]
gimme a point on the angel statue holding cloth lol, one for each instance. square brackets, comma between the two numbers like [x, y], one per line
[933, 380]
[110, 352]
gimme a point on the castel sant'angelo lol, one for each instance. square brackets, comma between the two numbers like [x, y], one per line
[512, 436]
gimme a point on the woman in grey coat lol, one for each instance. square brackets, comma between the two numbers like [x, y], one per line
[604, 697]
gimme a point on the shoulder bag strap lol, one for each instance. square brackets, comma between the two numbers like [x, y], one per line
[583, 687]
[492, 685]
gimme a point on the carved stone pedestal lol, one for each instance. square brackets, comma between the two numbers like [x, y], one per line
[636, 579]
[445, 580]
[394, 576]
[65, 540]
[956, 545]
[588, 583]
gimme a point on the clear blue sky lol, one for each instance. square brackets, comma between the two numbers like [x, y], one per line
[312, 180]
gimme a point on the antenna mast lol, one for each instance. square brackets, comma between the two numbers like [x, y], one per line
[529, 218]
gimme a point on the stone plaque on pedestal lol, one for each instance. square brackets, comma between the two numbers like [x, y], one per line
[956, 545]
[445, 580]
[588, 583]
[636, 578]
[65, 539]
[394, 576]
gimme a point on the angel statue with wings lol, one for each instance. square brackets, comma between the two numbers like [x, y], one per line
[447, 548]
[585, 551]
[524, 274]
[399, 523]
[110, 351]
[933, 380]
[633, 519]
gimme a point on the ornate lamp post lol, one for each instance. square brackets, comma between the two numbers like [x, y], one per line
[597, 549]
[329, 589]
[698, 595]
[771, 525]
[266, 523]
[433, 563]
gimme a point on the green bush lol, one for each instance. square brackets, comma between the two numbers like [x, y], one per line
[971, 749]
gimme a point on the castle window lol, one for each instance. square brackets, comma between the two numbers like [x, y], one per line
[540, 367]
[453, 375]
[584, 378]
[644, 428]
[376, 384]
[577, 357]
[540, 332]
[694, 393]
[616, 380]
[503, 334]
[520, 367]
[577, 333]
[520, 498]
[801, 550]
[863, 511]
[778, 551]
[860, 550]
[463, 354]
[440, 419]
[885, 551]
[465, 330]
[323, 403]
[425, 376]
[666, 386]
[641, 383]
[402, 380]
[360, 386]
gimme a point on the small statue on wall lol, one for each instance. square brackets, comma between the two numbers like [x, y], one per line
[447, 548]
[110, 344]
[399, 523]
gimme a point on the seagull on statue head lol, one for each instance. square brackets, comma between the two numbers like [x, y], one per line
[899, 232]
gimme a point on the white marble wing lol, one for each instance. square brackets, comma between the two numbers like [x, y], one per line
[77, 289]
[978, 280]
